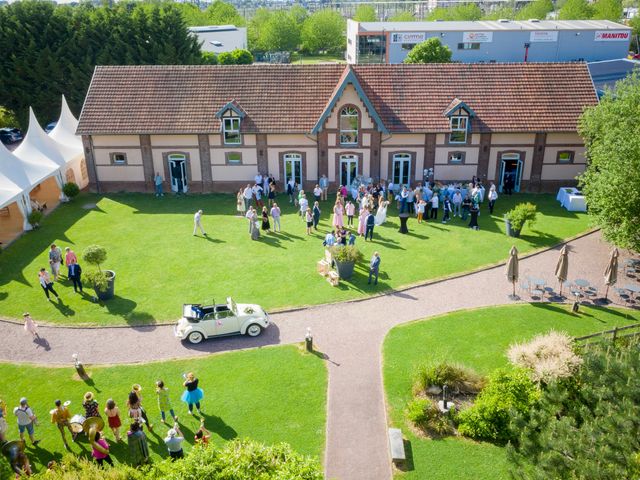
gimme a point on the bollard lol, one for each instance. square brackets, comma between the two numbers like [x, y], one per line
[308, 341]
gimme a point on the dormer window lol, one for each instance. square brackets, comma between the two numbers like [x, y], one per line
[349, 126]
[231, 131]
[458, 130]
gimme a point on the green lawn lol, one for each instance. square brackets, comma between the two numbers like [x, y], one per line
[271, 395]
[313, 59]
[160, 265]
[477, 339]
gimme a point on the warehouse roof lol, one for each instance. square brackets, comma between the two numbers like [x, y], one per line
[508, 97]
[487, 25]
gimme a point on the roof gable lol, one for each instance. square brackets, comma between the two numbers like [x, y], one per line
[349, 78]
[234, 106]
[457, 104]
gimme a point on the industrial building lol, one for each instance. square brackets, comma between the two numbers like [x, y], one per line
[221, 38]
[491, 41]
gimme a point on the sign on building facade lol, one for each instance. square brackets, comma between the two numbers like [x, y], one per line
[477, 37]
[543, 36]
[612, 35]
[408, 37]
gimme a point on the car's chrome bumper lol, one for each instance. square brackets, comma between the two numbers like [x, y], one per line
[178, 333]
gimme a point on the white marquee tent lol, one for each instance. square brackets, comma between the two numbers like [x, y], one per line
[39, 158]
[69, 144]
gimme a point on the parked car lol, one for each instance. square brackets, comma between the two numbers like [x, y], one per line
[50, 126]
[200, 322]
[10, 135]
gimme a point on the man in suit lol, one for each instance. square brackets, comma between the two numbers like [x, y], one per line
[370, 222]
[374, 268]
[74, 275]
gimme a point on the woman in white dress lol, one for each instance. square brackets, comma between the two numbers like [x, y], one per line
[381, 216]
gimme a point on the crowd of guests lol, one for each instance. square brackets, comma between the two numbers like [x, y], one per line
[138, 419]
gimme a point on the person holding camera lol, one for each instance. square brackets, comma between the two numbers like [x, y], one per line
[173, 441]
[193, 394]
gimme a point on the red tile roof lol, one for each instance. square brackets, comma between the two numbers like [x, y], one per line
[516, 97]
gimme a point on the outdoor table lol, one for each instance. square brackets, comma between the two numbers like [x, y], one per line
[563, 192]
[575, 203]
[582, 283]
[403, 222]
[538, 282]
[632, 288]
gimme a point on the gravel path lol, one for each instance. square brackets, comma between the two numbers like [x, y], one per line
[349, 335]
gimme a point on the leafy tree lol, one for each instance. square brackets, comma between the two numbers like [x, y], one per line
[506, 393]
[222, 13]
[537, 9]
[324, 30]
[585, 428]
[7, 118]
[209, 58]
[464, 12]
[611, 182]
[575, 10]
[607, 10]
[238, 56]
[502, 12]
[634, 23]
[280, 33]
[242, 56]
[256, 28]
[299, 14]
[404, 16]
[55, 49]
[193, 16]
[365, 13]
[429, 51]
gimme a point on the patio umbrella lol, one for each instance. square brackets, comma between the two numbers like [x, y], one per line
[611, 272]
[512, 270]
[562, 269]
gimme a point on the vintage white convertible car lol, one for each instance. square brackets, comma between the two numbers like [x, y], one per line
[199, 321]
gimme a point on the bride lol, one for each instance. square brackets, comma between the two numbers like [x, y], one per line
[381, 216]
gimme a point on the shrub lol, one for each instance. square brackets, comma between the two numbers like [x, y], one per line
[34, 218]
[71, 190]
[458, 378]
[347, 253]
[521, 214]
[426, 416]
[506, 392]
[98, 279]
[237, 460]
[547, 357]
[95, 255]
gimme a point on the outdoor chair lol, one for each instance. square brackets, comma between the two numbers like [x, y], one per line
[622, 295]
[525, 287]
[591, 293]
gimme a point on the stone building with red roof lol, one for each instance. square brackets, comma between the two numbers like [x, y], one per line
[213, 128]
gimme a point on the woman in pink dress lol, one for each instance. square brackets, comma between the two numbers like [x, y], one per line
[338, 213]
[362, 221]
[30, 326]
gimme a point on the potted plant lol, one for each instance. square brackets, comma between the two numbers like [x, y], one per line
[345, 258]
[70, 190]
[34, 218]
[102, 280]
[519, 216]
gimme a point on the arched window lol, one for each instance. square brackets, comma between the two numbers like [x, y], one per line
[349, 126]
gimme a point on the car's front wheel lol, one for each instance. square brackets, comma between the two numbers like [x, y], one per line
[195, 338]
[254, 330]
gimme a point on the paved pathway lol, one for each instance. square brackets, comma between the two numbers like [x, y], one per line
[350, 335]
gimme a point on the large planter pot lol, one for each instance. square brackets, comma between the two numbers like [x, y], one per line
[110, 291]
[345, 269]
[511, 232]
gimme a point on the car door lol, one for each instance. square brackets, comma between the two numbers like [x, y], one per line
[226, 323]
[208, 325]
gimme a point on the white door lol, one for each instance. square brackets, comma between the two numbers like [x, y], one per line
[348, 169]
[401, 169]
[510, 165]
[293, 168]
[226, 323]
[178, 173]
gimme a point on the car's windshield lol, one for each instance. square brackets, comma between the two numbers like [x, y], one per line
[232, 305]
